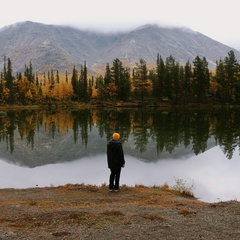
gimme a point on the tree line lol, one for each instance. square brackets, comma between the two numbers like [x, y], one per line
[167, 81]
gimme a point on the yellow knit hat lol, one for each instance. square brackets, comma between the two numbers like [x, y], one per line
[116, 136]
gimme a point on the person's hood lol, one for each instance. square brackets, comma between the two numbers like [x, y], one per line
[113, 141]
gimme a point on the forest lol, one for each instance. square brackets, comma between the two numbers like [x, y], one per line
[168, 82]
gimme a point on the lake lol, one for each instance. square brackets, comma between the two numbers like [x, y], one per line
[51, 148]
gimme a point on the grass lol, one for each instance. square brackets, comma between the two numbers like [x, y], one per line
[184, 188]
[90, 205]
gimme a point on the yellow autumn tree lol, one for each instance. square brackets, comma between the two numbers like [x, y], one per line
[29, 95]
[59, 92]
[27, 91]
[6, 93]
[45, 90]
[63, 91]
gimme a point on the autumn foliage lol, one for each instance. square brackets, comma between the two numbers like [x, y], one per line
[168, 81]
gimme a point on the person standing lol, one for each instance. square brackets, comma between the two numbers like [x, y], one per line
[116, 161]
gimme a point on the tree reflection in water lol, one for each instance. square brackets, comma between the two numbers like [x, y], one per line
[87, 131]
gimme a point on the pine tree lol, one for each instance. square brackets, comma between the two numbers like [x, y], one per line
[169, 78]
[140, 78]
[201, 78]
[222, 91]
[121, 78]
[44, 79]
[57, 77]
[159, 80]
[107, 77]
[83, 83]
[124, 86]
[37, 80]
[66, 74]
[176, 83]
[231, 68]
[52, 80]
[10, 82]
[29, 73]
[74, 82]
[187, 81]
[4, 67]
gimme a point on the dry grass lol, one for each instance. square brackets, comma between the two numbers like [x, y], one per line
[92, 212]
[46, 208]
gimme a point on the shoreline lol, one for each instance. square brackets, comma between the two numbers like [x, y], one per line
[89, 212]
[120, 104]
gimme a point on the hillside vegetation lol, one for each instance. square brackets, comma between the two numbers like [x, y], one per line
[168, 82]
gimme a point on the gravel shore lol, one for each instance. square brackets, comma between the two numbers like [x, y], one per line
[136, 213]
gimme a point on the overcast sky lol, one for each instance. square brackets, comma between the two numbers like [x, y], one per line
[213, 18]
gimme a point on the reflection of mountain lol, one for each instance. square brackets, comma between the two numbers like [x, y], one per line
[48, 150]
[62, 148]
[36, 138]
[150, 155]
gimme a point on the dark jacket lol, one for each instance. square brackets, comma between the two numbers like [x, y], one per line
[115, 155]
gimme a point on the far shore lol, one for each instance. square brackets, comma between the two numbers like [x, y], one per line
[119, 105]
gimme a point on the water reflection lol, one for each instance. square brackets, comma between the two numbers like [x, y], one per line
[214, 178]
[34, 138]
[161, 142]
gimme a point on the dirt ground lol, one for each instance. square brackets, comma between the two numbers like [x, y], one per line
[91, 212]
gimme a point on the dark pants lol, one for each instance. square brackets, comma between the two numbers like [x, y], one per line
[114, 178]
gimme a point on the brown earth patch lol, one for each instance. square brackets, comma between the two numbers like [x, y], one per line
[91, 212]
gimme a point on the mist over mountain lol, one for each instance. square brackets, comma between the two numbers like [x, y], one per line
[62, 148]
[62, 47]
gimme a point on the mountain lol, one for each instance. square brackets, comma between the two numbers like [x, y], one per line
[62, 47]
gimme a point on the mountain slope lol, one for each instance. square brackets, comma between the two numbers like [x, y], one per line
[60, 47]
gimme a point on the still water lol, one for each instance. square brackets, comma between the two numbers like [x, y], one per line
[51, 148]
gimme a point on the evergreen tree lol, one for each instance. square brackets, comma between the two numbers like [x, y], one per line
[159, 80]
[222, 91]
[29, 73]
[49, 78]
[37, 80]
[10, 82]
[74, 82]
[125, 85]
[176, 83]
[181, 81]
[118, 80]
[231, 67]
[90, 90]
[201, 78]
[169, 78]
[187, 81]
[116, 72]
[102, 92]
[107, 77]
[44, 79]
[1, 86]
[4, 67]
[140, 78]
[57, 77]
[52, 80]
[66, 77]
[83, 83]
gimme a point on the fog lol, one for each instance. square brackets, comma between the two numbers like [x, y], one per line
[214, 177]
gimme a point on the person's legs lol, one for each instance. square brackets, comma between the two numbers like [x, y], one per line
[117, 178]
[111, 178]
